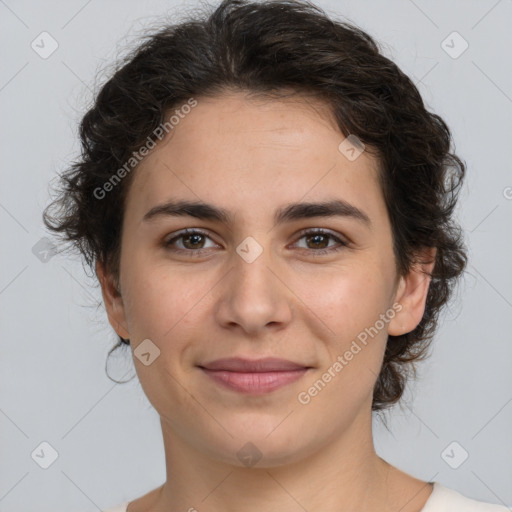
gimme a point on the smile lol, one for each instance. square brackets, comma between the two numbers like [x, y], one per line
[254, 376]
[254, 382]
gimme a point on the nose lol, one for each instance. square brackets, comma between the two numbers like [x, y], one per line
[252, 296]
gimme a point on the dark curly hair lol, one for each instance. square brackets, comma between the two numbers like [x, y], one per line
[269, 49]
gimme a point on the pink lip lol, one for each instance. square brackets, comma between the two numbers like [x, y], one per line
[254, 376]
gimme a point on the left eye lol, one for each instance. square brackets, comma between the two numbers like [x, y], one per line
[192, 241]
[322, 237]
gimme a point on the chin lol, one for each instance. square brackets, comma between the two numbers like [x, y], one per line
[266, 444]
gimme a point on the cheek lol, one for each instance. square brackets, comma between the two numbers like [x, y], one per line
[349, 302]
[159, 301]
[350, 306]
[162, 306]
[345, 299]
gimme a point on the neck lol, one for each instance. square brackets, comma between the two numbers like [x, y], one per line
[346, 474]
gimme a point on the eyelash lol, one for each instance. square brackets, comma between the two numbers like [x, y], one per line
[311, 232]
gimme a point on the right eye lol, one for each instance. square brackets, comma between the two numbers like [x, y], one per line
[192, 241]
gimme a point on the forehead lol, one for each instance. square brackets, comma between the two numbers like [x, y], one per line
[240, 152]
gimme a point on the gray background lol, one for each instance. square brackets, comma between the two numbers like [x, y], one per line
[54, 341]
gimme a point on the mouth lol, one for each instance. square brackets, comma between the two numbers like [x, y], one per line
[253, 376]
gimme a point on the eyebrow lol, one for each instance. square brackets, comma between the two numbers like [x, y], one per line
[287, 213]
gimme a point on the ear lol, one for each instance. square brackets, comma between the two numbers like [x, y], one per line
[113, 301]
[412, 293]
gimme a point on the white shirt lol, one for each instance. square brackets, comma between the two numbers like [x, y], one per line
[442, 499]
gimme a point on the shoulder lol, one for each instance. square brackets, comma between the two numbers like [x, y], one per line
[118, 508]
[444, 499]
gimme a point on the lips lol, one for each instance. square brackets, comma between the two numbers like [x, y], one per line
[253, 376]
[268, 364]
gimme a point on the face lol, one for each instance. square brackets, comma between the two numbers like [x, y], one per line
[256, 284]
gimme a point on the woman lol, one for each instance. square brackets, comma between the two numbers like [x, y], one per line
[268, 207]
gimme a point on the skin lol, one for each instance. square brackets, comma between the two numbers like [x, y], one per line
[251, 158]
